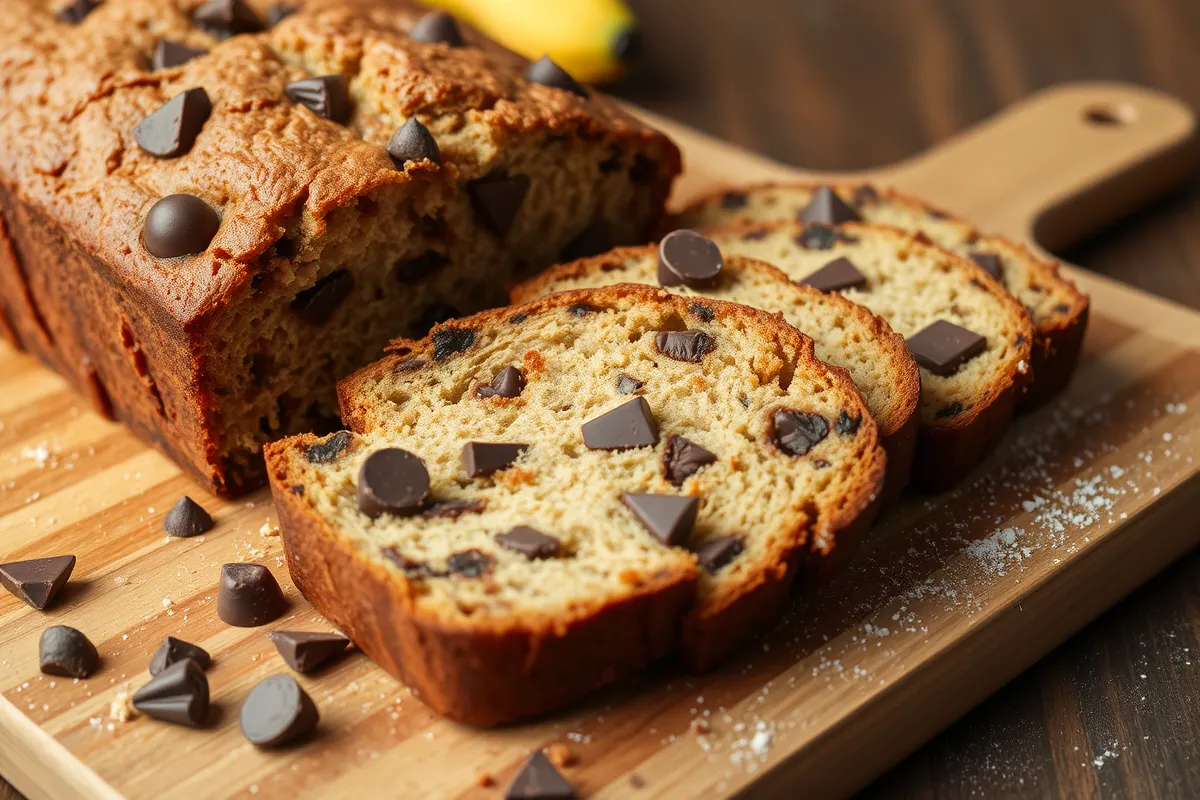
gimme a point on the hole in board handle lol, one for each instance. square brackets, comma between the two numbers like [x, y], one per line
[1109, 116]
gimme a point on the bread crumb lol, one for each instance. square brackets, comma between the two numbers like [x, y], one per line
[630, 577]
[484, 781]
[268, 530]
[700, 726]
[560, 755]
[121, 709]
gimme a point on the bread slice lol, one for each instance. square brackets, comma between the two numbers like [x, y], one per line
[844, 333]
[486, 633]
[1058, 309]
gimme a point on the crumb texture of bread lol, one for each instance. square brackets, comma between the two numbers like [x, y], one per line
[444, 572]
[326, 248]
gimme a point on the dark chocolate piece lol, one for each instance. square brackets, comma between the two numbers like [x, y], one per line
[683, 458]
[249, 596]
[822, 237]
[172, 129]
[304, 651]
[533, 544]
[827, 208]
[186, 518]
[470, 563]
[276, 712]
[392, 481]
[797, 432]
[179, 225]
[547, 73]
[836, 275]
[327, 96]
[943, 347]
[629, 425]
[496, 199]
[732, 201]
[627, 384]
[448, 341]
[178, 694]
[413, 142]
[689, 259]
[716, 553]
[327, 451]
[77, 11]
[452, 509]
[669, 518]
[989, 262]
[437, 27]
[67, 652]
[509, 382]
[173, 650]
[169, 54]
[539, 780]
[37, 581]
[702, 312]
[317, 303]
[226, 18]
[484, 458]
[688, 345]
[847, 424]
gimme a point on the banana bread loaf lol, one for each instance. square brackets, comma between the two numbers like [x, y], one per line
[210, 210]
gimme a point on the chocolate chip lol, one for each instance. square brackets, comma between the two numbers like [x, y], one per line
[178, 694]
[392, 481]
[847, 424]
[950, 410]
[484, 458]
[276, 712]
[547, 73]
[437, 27]
[471, 563]
[226, 18]
[717, 553]
[452, 509]
[518, 318]
[689, 259]
[317, 303]
[595, 239]
[827, 208]
[179, 225]
[186, 518]
[169, 54]
[836, 275]
[304, 651]
[496, 199]
[67, 652]
[865, 194]
[581, 309]
[943, 347]
[509, 382]
[823, 237]
[732, 201]
[539, 780]
[327, 452]
[689, 345]
[756, 235]
[412, 568]
[327, 96]
[669, 518]
[627, 384]
[532, 544]
[797, 432]
[413, 142]
[172, 129]
[683, 458]
[448, 341]
[248, 596]
[989, 262]
[279, 12]
[77, 11]
[173, 650]
[37, 581]
[702, 312]
[629, 425]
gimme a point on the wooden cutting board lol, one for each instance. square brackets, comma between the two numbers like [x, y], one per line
[952, 597]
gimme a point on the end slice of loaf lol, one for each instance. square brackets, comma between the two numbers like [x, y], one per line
[486, 634]
[1058, 309]
[844, 333]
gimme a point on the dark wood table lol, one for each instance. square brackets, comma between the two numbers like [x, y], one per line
[845, 84]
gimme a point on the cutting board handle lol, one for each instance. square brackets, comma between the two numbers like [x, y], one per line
[1060, 164]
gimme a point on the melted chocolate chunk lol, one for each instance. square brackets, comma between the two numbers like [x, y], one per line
[702, 312]
[318, 303]
[683, 458]
[509, 382]
[797, 432]
[847, 424]
[327, 452]
[532, 544]
[449, 341]
[688, 345]
[471, 563]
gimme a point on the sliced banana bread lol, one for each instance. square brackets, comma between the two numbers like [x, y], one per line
[534, 501]
[1058, 309]
[845, 334]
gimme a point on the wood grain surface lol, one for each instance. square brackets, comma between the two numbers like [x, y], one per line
[848, 84]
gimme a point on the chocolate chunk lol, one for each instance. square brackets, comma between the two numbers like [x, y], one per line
[437, 27]
[77, 11]
[547, 73]
[865, 194]
[539, 780]
[627, 384]
[37, 581]
[629, 425]
[412, 141]
[172, 129]
[943, 347]
[797, 432]
[689, 345]
[989, 262]
[178, 694]
[595, 239]
[847, 424]
[412, 568]
[67, 652]
[226, 18]
[702, 312]
[327, 96]
[173, 650]
[716, 553]
[518, 318]
[471, 563]
[411, 270]
[670, 518]
[304, 651]
[169, 54]
[392, 481]
[683, 458]
[687, 258]
[317, 303]
[823, 237]
[497, 199]
[179, 225]
[949, 410]
[532, 544]
[452, 509]
[186, 518]
[827, 208]
[509, 382]
[327, 452]
[448, 341]
[484, 458]
[836, 275]
[276, 712]
[279, 12]
[732, 201]
[249, 596]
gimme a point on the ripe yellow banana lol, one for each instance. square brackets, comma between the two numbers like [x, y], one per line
[591, 39]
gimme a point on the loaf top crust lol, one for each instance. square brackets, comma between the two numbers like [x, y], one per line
[71, 94]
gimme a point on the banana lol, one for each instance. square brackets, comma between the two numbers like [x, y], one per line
[591, 39]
